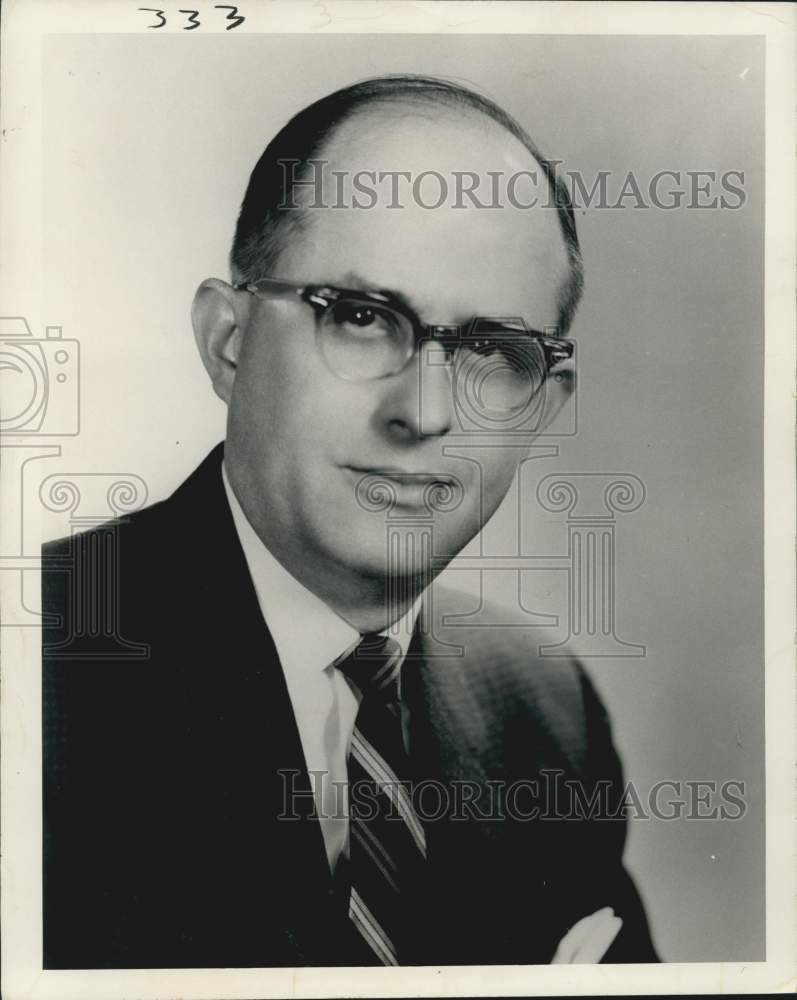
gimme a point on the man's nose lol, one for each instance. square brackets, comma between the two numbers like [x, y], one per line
[422, 403]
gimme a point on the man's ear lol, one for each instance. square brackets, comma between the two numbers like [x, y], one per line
[559, 387]
[217, 319]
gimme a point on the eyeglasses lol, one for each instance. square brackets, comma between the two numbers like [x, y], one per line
[364, 336]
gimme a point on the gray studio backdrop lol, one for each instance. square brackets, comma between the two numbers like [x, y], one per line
[148, 142]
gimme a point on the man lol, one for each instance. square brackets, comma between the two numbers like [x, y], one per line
[250, 793]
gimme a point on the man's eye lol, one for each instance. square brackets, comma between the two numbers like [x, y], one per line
[361, 317]
[356, 315]
[487, 347]
[516, 354]
[481, 345]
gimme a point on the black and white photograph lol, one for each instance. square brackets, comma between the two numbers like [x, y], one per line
[397, 436]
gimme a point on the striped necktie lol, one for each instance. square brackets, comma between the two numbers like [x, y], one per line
[387, 845]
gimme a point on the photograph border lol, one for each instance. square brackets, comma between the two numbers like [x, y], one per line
[24, 25]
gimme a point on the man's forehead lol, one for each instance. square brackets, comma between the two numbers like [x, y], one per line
[446, 273]
[496, 258]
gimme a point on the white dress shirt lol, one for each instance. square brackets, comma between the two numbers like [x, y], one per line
[310, 638]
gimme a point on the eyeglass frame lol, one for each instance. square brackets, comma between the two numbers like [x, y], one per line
[556, 350]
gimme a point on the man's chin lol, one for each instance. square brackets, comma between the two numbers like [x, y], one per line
[399, 549]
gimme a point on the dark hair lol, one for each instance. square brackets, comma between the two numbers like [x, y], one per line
[263, 224]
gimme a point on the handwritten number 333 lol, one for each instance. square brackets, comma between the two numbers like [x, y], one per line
[193, 17]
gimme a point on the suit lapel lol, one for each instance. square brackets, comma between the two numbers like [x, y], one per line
[261, 874]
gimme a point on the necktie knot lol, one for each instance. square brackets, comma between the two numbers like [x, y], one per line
[374, 665]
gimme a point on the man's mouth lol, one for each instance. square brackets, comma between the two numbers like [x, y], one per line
[385, 487]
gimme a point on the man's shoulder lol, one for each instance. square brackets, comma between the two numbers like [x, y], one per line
[503, 640]
[512, 668]
[139, 528]
[143, 574]
[148, 538]
[135, 552]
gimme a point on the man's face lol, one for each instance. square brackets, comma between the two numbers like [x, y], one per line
[300, 438]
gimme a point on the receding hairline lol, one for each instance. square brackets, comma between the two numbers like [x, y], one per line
[417, 107]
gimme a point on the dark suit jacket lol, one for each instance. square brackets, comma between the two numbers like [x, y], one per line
[166, 724]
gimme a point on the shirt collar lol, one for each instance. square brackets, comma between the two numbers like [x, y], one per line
[309, 636]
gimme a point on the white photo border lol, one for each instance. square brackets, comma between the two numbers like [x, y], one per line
[24, 26]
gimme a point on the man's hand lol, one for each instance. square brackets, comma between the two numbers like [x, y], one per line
[588, 941]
